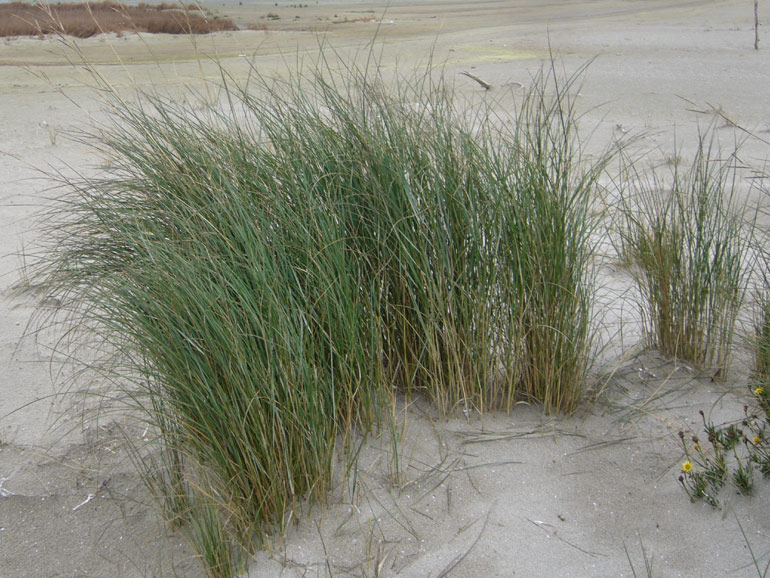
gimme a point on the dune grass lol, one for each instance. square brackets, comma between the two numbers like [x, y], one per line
[759, 340]
[550, 243]
[687, 238]
[266, 271]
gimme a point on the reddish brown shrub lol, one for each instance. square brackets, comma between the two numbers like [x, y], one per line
[89, 19]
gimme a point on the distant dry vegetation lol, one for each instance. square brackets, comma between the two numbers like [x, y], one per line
[89, 19]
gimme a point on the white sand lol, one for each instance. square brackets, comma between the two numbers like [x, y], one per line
[517, 495]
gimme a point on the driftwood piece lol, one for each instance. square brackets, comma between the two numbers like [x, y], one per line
[486, 85]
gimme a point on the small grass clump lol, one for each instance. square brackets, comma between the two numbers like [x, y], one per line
[761, 338]
[759, 341]
[687, 240]
[83, 20]
[263, 273]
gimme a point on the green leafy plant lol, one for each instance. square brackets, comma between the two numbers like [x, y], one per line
[737, 451]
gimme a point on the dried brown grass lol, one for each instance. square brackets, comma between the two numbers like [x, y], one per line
[89, 19]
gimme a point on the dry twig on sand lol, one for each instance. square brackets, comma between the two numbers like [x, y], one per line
[486, 85]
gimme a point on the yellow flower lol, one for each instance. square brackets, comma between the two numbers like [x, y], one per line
[687, 467]
[759, 391]
[756, 439]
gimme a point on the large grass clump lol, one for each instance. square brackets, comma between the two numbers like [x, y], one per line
[267, 270]
[686, 236]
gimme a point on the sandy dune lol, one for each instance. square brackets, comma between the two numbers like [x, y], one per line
[516, 495]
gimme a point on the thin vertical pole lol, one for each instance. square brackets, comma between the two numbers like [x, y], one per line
[756, 25]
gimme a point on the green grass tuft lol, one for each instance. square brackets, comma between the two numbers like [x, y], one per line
[686, 239]
[264, 272]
